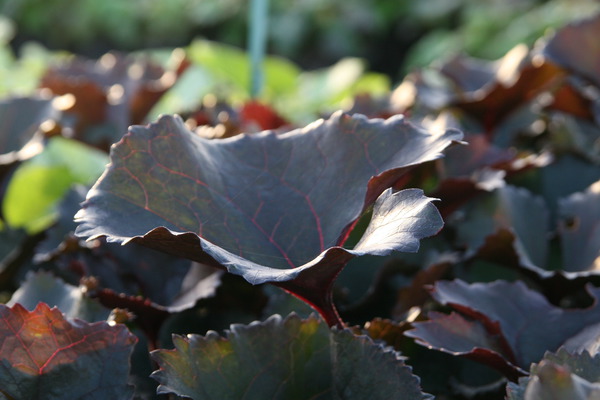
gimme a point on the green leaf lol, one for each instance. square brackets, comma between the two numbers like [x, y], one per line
[284, 359]
[23, 207]
[39, 183]
[232, 65]
[45, 356]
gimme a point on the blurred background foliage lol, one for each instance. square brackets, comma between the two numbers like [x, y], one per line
[393, 36]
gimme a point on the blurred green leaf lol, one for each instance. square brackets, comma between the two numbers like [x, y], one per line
[232, 66]
[39, 183]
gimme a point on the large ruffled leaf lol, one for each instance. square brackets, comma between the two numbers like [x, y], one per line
[268, 207]
[284, 359]
[503, 324]
[45, 356]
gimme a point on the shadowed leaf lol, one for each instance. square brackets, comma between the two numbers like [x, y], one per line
[167, 282]
[20, 119]
[508, 208]
[284, 359]
[71, 300]
[580, 230]
[521, 321]
[576, 48]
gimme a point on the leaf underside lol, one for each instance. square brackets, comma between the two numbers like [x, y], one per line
[514, 325]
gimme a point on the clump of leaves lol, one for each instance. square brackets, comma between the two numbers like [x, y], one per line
[196, 224]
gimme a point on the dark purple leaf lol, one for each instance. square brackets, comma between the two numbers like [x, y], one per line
[169, 283]
[462, 161]
[576, 48]
[520, 320]
[513, 209]
[73, 301]
[20, 119]
[481, 166]
[58, 238]
[579, 227]
[116, 89]
[268, 207]
[20, 134]
[565, 176]
[491, 90]
[415, 294]
[45, 356]
[283, 359]
[461, 336]
[574, 135]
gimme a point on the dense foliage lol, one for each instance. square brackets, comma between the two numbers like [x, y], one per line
[438, 240]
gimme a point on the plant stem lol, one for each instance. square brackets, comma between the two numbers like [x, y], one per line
[257, 39]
